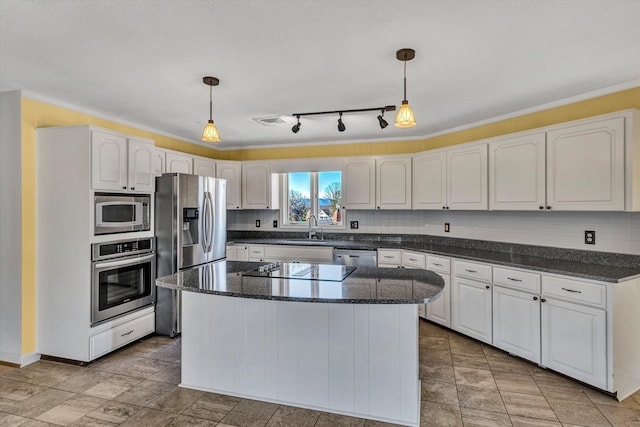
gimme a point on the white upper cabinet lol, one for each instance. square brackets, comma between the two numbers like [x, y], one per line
[120, 164]
[467, 178]
[230, 171]
[204, 167]
[517, 173]
[358, 183]
[178, 162]
[158, 162]
[140, 165]
[393, 183]
[430, 180]
[256, 186]
[585, 166]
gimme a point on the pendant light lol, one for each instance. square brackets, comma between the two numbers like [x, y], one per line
[405, 117]
[210, 132]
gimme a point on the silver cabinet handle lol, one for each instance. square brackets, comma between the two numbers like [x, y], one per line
[470, 271]
[127, 333]
[388, 257]
[439, 265]
[571, 290]
[413, 259]
[514, 280]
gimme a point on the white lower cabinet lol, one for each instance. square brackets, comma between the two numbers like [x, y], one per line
[439, 311]
[516, 322]
[471, 300]
[574, 335]
[516, 312]
[471, 308]
[237, 253]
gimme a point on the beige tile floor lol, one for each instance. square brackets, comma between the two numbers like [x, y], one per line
[464, 383]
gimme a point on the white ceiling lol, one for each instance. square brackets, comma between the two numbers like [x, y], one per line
[143, 60]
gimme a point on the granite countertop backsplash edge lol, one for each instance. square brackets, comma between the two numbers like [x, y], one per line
[602, 266]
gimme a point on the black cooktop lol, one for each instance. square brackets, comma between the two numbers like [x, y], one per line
[295, 270]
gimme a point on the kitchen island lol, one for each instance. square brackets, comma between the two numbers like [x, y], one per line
[317, 336]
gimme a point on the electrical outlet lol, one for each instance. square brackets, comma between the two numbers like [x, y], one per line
[257, 223]
[353, 225]
[446, 227]
[275, 223]
[589, 237]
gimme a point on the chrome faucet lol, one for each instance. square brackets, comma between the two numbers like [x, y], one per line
[312, 232]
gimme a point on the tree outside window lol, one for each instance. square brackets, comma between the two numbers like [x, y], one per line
[313, 193]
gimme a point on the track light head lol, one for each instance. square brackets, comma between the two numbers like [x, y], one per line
[296, 127]
[341, 126]
[382, 121]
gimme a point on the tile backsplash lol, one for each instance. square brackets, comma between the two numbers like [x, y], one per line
[615, 231]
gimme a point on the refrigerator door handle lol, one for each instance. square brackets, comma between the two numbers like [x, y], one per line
[207, 222]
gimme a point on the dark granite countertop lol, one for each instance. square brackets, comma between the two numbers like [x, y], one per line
[362, 286]
[605, 267]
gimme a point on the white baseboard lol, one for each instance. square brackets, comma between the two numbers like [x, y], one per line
[10, 357]
[29, 358]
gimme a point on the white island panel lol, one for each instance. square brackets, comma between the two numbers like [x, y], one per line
[354, 359]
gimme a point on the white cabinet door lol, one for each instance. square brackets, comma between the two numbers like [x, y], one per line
[393, 183]
[516, 322]
[231, 172]
[585, 166]
[471, 308]
[237, 253]
[574, 341]
[158, 161]
[256, 185]
[140, 165]
[517, 173]
[108, 161]
[439, 311]
[429, 180]
[467, 178]
[178, 162]
[359, 183]
[204, 167]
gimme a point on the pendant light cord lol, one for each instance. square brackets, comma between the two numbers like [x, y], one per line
[211, 102]
[405, 79]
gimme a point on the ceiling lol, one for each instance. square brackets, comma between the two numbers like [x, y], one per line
[143, 61]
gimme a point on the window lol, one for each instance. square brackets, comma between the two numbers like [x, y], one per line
[312, 193]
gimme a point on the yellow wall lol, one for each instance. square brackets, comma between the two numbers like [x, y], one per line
[579, 110]
[38, 114]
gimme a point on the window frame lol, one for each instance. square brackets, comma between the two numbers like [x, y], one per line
[313, 196]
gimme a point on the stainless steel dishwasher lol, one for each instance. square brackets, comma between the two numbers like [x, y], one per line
[360, 258]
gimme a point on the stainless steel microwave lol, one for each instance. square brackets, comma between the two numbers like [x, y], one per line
[121, 213]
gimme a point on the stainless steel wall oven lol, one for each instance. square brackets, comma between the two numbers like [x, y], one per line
[123, 277]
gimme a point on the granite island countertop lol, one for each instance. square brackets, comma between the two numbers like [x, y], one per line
[579, 264]
[365, 285]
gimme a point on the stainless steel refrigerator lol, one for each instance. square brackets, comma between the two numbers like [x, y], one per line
[191, 229]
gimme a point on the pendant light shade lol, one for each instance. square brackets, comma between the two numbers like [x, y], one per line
[210, 132]
[405, 117]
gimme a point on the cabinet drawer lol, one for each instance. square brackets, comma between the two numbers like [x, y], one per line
[517, 279]
[256, 253]
[414, 259]
[572, 290]
[109, 340]
[439, 264]
[389, 256]
[298, 253]
[472, 270]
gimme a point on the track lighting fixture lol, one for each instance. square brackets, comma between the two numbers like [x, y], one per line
[296, 127]
[405, 117]
[210, 132]
[341, 126]
[382, 121]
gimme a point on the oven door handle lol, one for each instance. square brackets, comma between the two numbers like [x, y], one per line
[123, 262]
